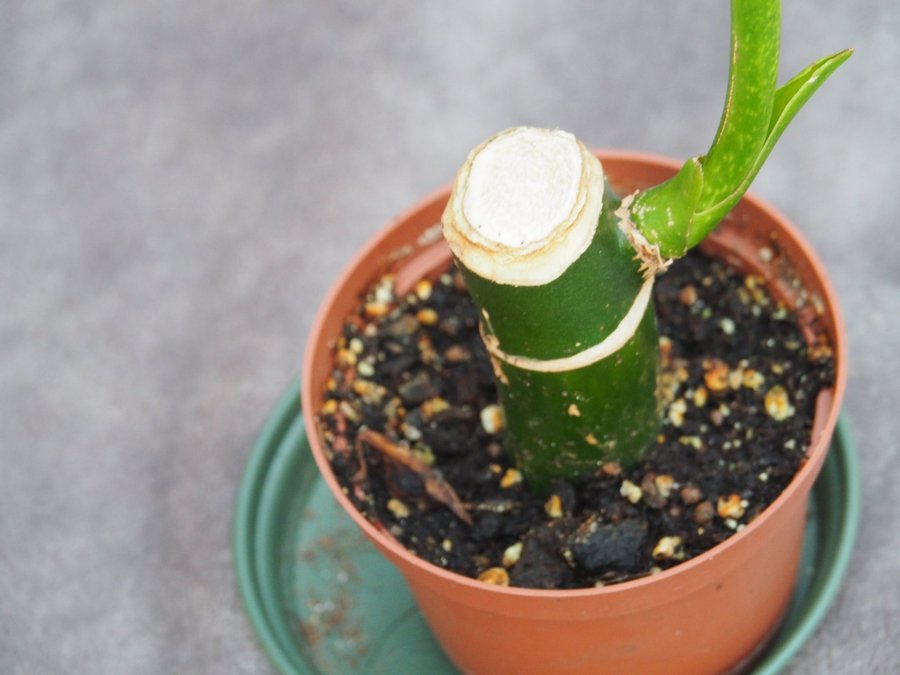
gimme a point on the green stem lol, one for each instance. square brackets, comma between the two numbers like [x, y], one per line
[678, 214]
[566, 423]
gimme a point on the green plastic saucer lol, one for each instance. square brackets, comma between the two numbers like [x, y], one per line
[322, 600]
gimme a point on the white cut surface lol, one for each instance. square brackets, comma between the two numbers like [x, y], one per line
[523, 185]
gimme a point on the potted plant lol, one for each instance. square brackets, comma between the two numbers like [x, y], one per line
[560, 252]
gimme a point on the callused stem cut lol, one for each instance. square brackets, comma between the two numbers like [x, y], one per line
[525, 206]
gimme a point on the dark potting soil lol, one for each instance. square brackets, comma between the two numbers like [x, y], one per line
[416, 441]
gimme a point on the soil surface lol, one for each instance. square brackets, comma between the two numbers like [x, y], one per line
[416, 436]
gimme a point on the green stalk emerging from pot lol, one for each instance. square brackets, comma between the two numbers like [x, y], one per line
[562, 268]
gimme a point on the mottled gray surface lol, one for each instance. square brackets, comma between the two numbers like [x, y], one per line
[181, 181]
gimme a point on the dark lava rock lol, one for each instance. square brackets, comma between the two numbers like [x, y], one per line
[396, 366]
[541, 565]
[599, 548]
[403, 482]
[448, 439]
[417, 389]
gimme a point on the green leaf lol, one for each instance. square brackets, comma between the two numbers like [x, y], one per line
[789, 99]
[755, 115]
[755, 37]
[744, 125]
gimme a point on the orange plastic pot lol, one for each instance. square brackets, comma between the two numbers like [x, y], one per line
[711, 614]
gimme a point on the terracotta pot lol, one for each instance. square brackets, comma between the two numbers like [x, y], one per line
[710, 614]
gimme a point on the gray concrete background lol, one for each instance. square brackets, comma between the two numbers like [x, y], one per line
[181, 181]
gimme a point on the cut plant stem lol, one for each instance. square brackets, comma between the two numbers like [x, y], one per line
[565, 310]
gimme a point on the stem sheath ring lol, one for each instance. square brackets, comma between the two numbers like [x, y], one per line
[612, 343]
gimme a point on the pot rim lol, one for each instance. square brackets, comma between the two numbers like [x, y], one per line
[821, 433]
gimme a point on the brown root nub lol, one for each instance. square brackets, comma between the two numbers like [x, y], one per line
[435, 485]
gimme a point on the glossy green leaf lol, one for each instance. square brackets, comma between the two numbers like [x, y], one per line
[754, 117]
[789, 99]
[755, 36]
